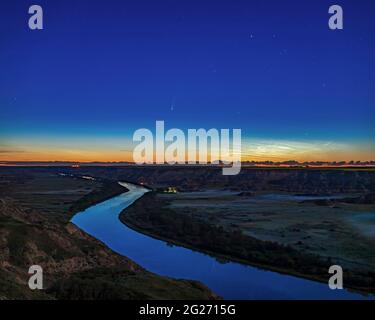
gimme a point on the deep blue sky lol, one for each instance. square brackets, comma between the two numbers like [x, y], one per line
[101, 69]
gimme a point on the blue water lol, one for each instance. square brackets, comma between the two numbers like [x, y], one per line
[229, 280]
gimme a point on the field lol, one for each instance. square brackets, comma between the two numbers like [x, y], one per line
[341, 231]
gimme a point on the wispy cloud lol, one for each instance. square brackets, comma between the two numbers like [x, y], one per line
[11, 151]
[288, 149]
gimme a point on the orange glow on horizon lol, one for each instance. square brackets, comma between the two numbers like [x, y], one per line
[105, 156]
[252, 150]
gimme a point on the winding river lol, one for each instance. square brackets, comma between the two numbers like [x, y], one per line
[229, 280]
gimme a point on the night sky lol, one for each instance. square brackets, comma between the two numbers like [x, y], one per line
[101, 69]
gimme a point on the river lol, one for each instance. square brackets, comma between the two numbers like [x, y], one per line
[230, 280]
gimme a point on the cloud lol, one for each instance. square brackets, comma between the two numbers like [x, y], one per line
[288, 149]
[11, 151]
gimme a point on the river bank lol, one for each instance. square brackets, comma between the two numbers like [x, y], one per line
[155, 217]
